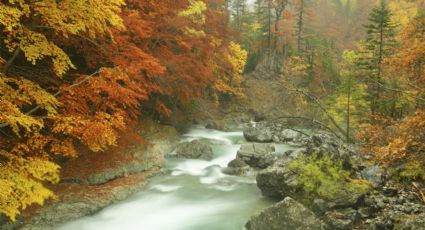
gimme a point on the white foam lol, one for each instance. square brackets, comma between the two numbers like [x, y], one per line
[197, 195]
[166, 188]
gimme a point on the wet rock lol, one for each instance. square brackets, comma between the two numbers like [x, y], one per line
[195, 150]
[237, 163]
[277, 182]
[258, 133]
[286, 215]
[255, 155]
[289, 135]
[258, 148]
[374, 174]
[251, 158]
[342, 219]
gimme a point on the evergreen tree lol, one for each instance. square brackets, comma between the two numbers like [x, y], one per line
[379, 44]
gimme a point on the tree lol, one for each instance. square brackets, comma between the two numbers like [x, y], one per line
[239, 8]
[398, 141]
[303, 13]
[379, 44]
[230, 80]
[264, 18]
[38, 30]
[347, 104]
[74, 76]
[279, 7]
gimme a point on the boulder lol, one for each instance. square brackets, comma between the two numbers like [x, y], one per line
[236, 163]
[374, 174]
[285, 215]
[348, 198]
[289, 135]
[194, 150]
[252, 156]
[278, 182]
[344, 219]
[258, 133]
[326, 143]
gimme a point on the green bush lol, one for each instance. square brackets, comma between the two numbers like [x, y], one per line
[413, 171]
[325, 177]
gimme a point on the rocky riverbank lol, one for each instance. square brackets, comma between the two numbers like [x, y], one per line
[93, 182]
[314, 191]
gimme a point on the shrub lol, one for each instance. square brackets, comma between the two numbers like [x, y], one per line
[325, 177]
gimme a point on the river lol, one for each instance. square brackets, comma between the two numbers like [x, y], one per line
[190, 195]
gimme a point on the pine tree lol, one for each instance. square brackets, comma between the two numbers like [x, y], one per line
[379, 44]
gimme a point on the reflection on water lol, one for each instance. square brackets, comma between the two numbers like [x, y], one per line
[194, 195]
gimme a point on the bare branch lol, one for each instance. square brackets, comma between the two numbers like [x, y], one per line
[11, 60]
[401, 91]
[318, 103]
[313, 121]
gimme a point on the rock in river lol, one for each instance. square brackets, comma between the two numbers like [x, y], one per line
[195, 149]
[257, 155]
[259, 133]
[286, 215]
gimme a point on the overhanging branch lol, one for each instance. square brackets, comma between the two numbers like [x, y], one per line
[59, 92]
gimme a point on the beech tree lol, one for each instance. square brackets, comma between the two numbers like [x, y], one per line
[36, 29]
[75, 74]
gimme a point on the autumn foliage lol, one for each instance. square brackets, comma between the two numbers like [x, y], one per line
[355, 66]
[74, 74]
[394, 141]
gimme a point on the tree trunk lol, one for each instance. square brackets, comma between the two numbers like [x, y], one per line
[348, 109]
[300, 25]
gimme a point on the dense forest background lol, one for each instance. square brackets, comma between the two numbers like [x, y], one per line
[79, 76]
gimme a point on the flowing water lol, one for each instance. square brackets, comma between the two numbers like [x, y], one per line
[192, 195]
